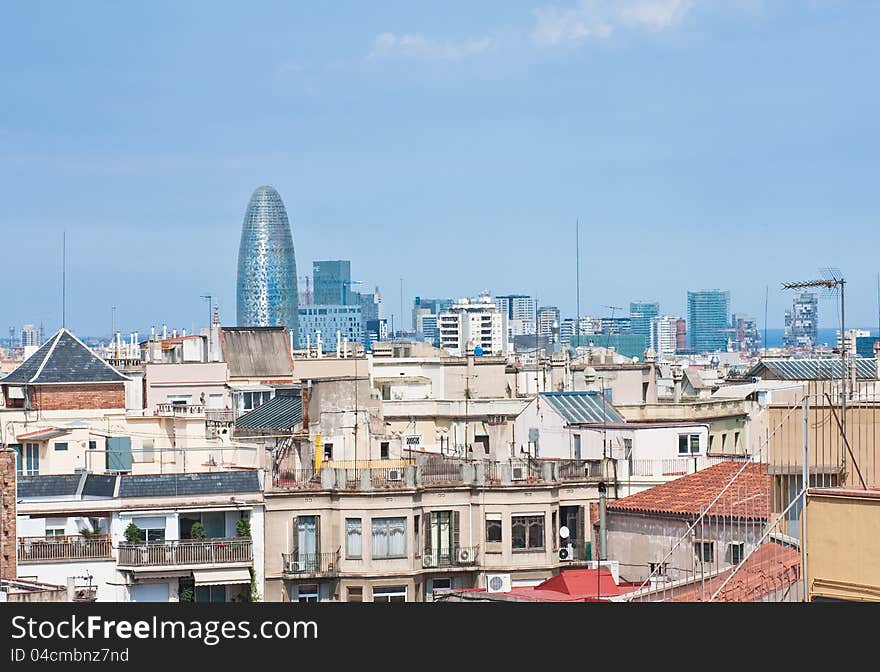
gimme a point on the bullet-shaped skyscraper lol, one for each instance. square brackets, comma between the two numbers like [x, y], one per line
[266, 287]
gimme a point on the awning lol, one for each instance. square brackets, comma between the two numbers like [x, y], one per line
[215, 577]
[43, 434]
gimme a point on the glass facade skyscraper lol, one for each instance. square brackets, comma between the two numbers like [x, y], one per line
[332, 282]
[708, 319]
[641, 313]
[266, 288]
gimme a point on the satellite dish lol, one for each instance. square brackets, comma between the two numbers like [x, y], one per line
[478, 351]
[563, 532]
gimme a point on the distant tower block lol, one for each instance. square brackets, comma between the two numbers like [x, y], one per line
[267, 284]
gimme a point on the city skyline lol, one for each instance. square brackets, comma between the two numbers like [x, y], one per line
[503, 132]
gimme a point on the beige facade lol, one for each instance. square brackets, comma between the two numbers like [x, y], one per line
[843, 544]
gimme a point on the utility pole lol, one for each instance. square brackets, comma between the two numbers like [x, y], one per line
[210, 300]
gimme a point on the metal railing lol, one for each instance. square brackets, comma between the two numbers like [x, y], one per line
[388, 477]
[305, 565]
[578, 470]
[73, 547]
[297, 479]
[180, 410]
[460, 556]
[187, 552]
[219, 415]
[433, 472]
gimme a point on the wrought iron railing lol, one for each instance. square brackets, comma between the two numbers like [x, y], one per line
[73, 547]
[305, 565]
[187, 552]
[460, 556]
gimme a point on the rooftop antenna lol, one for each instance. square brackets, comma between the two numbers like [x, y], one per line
[835, 284]
[766, 294]
[113, 321]
[610, 326]
[64, 279]
[577, 256]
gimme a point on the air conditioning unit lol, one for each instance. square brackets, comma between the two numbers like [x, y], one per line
[566, 553]
[497, 583]
[294, 567]
[395, 474]
[465, 556]
[518, 474]
[428, 560]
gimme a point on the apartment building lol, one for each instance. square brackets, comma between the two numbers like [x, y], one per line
[470, 324]
[151, 538]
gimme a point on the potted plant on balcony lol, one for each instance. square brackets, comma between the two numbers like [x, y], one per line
[242, 531]
[134, 536]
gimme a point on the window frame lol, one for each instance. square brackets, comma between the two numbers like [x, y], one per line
[360, 525]
[689, 438]
[700, 546]
[528, 520]
[387, 522]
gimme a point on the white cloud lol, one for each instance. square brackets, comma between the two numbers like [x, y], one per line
[417, 46]
[598, 19]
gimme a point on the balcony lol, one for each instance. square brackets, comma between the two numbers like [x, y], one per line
[460, 556]
[309, 565]
[219, 416]
[180, 410]
[575, 554]
[187, 553]
[57, 549]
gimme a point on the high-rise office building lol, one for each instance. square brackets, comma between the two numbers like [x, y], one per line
[520, 312]
[267, 287]
[662, 338]
[330, 324]
[708, 317]
[641, 313]
[548, 320]
[331, 280]
[30, 336]
[746, 335]
[681, 334]
[802, 321]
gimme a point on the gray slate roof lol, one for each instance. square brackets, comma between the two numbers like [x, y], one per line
[826, 368]
[282, 413]
[164, 485]
[48, 486]
[578, 408]
[99, 485]
[64, 359]
[257, 352]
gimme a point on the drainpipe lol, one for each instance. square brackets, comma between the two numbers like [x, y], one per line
[603, 528]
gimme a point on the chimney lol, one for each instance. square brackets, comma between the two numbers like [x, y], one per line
[677, 376]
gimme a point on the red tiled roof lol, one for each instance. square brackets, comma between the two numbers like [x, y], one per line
[772, 567]
[747, 497]
[570, 585]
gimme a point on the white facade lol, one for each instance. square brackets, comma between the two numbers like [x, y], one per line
[473, 323]
[548, 317]
[520, 312]
[663, 330]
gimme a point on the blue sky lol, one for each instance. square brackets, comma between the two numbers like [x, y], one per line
[702, 144]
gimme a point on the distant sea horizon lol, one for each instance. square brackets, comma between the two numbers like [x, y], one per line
[826, 336]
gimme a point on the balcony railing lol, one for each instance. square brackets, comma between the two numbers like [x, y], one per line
[180, 410]
[578, 470]
[74, 547]
[218, 415]
[297, 479]
[461, 556]
[308, 565]
[187, 552]
[440, 472]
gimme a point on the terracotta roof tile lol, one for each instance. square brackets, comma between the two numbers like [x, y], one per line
[747, 497]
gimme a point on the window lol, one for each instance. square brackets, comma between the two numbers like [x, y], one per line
[54, 531]
[154, 534]
[736, 441]
[493, 528]
[31, 459]
[417, 536]
[658, 567]
[711, 441]
[577, 446]
[723, 442]
[205, 594]
[148, 451]
[308, 592]
[328, 451]
[61, 445]
[389, 538]
[527, 532]
[18, 457]
[383, 450]
[353, 538]
[627, 449]
[736, 551]
[688, 444]
[389, 594]
[439, 586]
[355, 593]
[705, 551]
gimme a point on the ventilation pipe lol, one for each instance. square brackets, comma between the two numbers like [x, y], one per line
[603, 527]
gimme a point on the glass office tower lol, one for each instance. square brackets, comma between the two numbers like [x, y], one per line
[266, 289]
[708, 319]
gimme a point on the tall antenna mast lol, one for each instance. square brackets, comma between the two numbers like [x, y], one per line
[577, 256]
[766, 294]
[64, 279]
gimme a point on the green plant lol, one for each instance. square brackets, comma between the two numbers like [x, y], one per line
[134, 534]
[243, 528]
[92, 530]
[186, 594]
[197, 531]
[254, 595]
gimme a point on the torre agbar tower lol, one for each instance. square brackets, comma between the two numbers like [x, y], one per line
[266, 289]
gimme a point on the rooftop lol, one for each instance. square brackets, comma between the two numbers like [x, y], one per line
[64, 359]
[822, 368]
[280, 414]
[257, 352]
[578, 408]
[104, 486]
[570, 585]
[747, 497]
